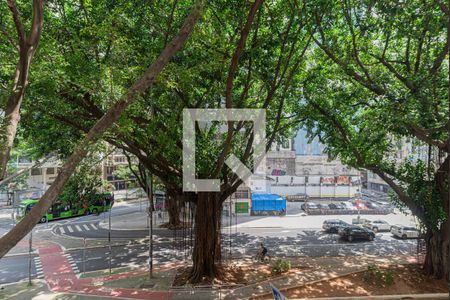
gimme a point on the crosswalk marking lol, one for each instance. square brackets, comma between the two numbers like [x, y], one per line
[38, 266]
[77, 228]
[72, 262]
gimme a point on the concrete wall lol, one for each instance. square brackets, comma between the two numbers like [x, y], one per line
[319, 165]
[318, 191]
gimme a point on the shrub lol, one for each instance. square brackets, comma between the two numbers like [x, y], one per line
[281, 266]
[375, 275]
[389, 277]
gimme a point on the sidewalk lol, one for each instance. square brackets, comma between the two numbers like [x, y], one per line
[320, 268]
[61, 279]
[134, 221]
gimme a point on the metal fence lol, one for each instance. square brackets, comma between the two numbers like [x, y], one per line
[129, 194]
[383, 211]
[421, 250]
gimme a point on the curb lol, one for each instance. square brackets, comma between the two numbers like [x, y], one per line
[34, 253]
[437, 296]
[259, 227]
[105, 227]
[284, 289]
[6, 285]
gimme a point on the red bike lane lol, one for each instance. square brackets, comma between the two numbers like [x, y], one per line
[61, 278]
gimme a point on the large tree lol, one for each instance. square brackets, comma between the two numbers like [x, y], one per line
[20, 46]
[240, 56]
[379, 79]
[130, 95]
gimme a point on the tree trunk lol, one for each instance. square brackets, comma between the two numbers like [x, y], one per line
[26, 48]
[436, 259]
[206, 256]
[9, 240]
[174, 201]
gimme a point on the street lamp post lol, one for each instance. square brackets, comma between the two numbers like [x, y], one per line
[150, 228]
[84, 255]
[230, 220]
[109, 238]
[30, 257]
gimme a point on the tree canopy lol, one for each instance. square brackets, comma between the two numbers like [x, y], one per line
[366, 77]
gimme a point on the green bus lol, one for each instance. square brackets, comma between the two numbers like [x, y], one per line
[102, 203]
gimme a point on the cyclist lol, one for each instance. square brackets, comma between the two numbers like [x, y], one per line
[262, 252]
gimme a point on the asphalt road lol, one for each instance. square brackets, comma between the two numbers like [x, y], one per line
[170, 246]
[15, 268]
[311, 243]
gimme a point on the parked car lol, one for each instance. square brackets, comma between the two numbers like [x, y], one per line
[359, 221]
[405, 232]
[334, 225]
[322, 206]
[372, 205]
[378, 225]
[360, 205]
[309, 205]
[381, 204]
[356, 233]
[335, 206]
[348, 205]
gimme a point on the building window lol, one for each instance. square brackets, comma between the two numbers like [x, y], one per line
[50, 171]
[109, 170]
[119, 159]
[285, 145]
[36, 172]
[241, 195]
[24, 160]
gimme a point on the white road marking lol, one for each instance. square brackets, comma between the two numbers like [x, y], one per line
[78, 228]
[93, 226]
[61, 229]
[69, 228]
[86, 227]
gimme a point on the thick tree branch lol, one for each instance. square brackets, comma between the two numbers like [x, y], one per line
[16, 234]
[403, 196]
[229, 84]
[17, 22]
[27, 48]
[442, 6]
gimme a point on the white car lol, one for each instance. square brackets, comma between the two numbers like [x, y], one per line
[348, 205]
[405, 232]
[378, 225]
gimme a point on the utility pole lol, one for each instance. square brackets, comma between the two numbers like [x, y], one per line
[150, 229]
[230, 220]
[84, 255]
[109, 238]
[30, 250]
